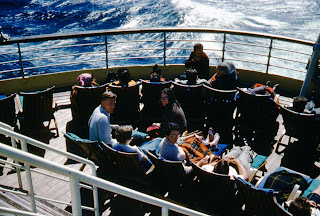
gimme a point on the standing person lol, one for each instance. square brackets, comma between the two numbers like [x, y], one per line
[99, 122]
[199, 60]
[226, 77]
[172, 111]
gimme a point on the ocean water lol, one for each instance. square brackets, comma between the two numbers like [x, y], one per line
[290, 18]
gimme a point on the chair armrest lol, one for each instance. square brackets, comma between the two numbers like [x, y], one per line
[294, 193]
[18, 102]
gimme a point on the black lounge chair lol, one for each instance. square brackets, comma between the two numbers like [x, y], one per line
[8, 110]
[37, 107]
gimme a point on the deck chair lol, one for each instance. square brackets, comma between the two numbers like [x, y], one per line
[193, 104]
[150, 99]
[259, 201]
[90, 149]
[298, 125]
[83, 103]
[38, 106]
[220, 106]
[8, 110]
[127, 110]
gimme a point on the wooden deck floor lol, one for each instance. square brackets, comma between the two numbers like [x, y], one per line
[57, 189]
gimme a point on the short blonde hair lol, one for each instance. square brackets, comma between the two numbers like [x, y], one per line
[108, 94]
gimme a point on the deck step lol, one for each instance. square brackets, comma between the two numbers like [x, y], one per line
[22, 203]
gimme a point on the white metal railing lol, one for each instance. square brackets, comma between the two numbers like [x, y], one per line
[98, 49]
[24, 140]
[76, 176]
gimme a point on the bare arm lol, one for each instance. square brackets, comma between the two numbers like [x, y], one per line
[242, 171]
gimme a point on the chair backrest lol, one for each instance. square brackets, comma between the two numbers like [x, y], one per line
[85, 100]
[128, 162]
[128, 101]
[191, 99]
[256, 107]
[151, 95]
[91, 149]
[299, 124]
[8, 111]
[220, 103]
[38, 105]
[259, 201]
[172, 170]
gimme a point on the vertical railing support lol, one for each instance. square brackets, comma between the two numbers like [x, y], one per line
[20, 61]
[29, 179]
[164, 47]
[164, 211]
[224, 46]
[106, 45]
[269, 56]
[313, 62]
[75, 196]
[14, 145]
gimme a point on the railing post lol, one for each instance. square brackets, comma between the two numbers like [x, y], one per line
[224, 46]
[164, 211]
[29, 179]
[75, 196]
[269, 56]
[14, 145]
[313, 62]
[106, 45]
[164, 47]
[20, 61]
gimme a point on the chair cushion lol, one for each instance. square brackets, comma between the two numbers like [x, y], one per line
[258, 160]
[265, 190]
[314, 184]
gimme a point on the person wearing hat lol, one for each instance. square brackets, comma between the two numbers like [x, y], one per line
[226, 77]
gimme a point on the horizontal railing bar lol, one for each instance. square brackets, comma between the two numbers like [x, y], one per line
[291, 60]
[155, 30]
[190, 40]
[12, 70]
[9, 62]
[288, 68]
[243, 52]
[134, 41]
[130, 50]
[60, 47]
[247, 44]
[8, 53]
[292, 51]
[59, 56]
[17, 212]
[30, 68]
[242, 60]
[136, 57]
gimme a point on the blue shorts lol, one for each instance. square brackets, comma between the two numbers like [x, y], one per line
[314, 197]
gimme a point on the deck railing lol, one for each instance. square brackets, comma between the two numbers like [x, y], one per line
[111, 48]
[75, 177]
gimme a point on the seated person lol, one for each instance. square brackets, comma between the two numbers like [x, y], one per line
[302, 105]
[226, 77]
[304, 206]
[192, 79]
[155, 76]
[235, 164]
[199, 61]
[263, 89]
[168, 148]
[124, 77]
[86, 80]
[123, 136]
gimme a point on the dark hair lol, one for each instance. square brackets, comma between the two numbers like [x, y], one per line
[198, 46]
[123, 133]
[108, 94]
[171, 96]
[124, 76]
[191, 75]
[171, 126]
[300, 207]
[222, 167]
[299, 103]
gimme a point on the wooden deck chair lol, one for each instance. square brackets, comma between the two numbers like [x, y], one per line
[8, 110]
[259, 201]
[220, 106]
[127, 110]
[127, 162]
[83, 102]
[150, 99]
[91, 149]
[298, 125]
[192, 102]
[38, 106]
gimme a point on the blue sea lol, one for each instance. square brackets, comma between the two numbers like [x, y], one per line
[290, 18]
